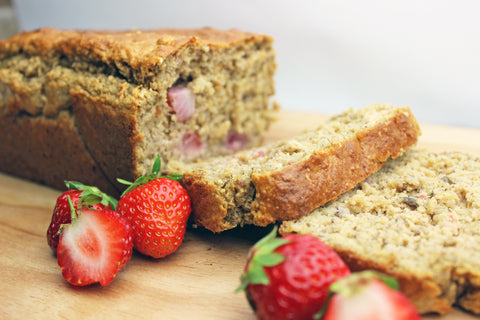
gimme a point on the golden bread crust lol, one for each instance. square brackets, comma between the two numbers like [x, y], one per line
[208, 204]
[140, 49]
[298, 189]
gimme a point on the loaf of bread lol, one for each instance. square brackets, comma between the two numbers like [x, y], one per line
[95, 106]
[288, 179]
[418, 219]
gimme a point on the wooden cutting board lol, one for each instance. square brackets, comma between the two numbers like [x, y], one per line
[197, 282]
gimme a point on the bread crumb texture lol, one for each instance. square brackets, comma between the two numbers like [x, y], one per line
[98, 105]
[289, 178]
[418, 219]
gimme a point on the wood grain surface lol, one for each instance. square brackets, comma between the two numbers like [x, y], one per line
[196, 282]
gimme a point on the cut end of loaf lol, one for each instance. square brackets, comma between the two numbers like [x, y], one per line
[103, 104]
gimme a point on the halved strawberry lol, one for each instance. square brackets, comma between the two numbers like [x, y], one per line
[368, 295]
[94, 247]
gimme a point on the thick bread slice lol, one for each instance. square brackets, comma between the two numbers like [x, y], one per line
[288, 179]
[417, 219]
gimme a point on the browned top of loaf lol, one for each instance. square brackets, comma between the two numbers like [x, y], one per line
[140, 49]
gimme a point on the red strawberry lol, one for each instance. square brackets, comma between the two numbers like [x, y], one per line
[158, 209]
[289, 277]
[87, 196]
[94, 247]
[364, 296]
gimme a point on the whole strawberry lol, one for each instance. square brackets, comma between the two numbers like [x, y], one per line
[94, 247]
[80, 195]
[289, 277]
[369, 295]
[158, 209]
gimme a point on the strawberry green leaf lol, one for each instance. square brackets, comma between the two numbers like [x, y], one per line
[269, 260]
[262, 255]
[144, 179]
[156, 166]
[176, 177]
[91, 195]
[347, 286]
[270, 246]
[257, 275]
[74, 185]
[388, 280]
[319, 315]
[132, 185]
[72, 208]
[125, 182]
[269, 237]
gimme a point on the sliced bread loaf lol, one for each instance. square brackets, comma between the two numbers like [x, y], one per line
[417, 219]
[99, 105]
[288, 179]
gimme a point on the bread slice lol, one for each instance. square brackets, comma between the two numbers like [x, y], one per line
[95, 106]
[288, 179]
[417, 219]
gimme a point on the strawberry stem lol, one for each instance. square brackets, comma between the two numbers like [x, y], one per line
[73, 213]
[144, 179]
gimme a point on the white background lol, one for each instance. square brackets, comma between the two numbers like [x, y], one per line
[332, 55]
